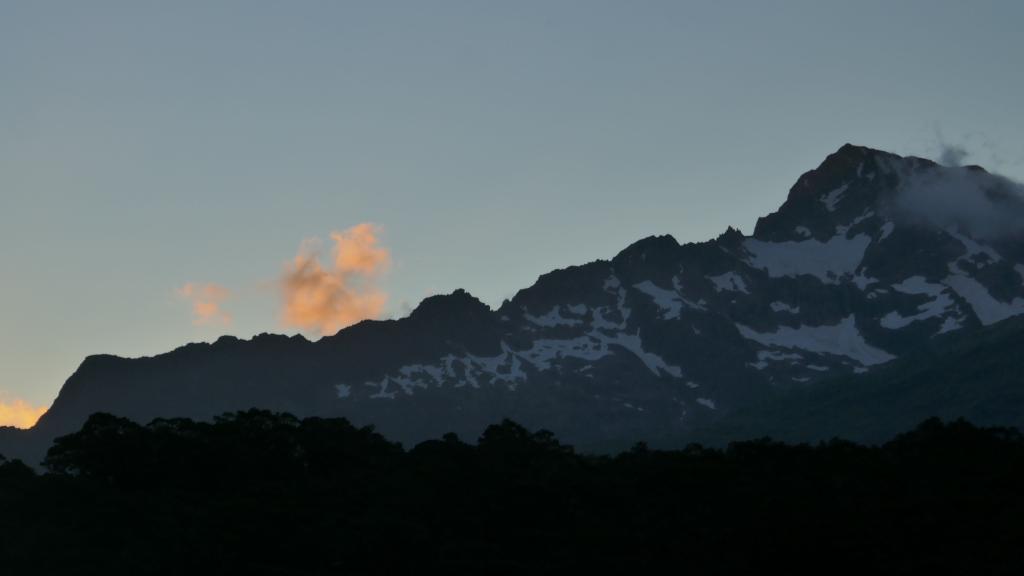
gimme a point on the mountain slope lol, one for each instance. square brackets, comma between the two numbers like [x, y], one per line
[871, 256]
[978, 376]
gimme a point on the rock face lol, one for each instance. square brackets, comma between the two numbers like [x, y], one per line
[871, 256]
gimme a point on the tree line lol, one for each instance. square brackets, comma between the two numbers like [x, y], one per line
[269, 493]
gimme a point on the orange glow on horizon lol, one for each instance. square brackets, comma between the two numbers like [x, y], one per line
[20, 414]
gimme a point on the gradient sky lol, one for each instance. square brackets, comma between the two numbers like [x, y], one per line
[146, 145]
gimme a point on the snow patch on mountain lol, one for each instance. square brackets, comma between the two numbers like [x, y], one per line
[698, 305]
[382, 389]
[861, 280]
[940, 304]
[707, 403]
[841, 229]
[828, 261]
[593, 346]
[985, 306]
[467, 370]
[842, 339]
[670, 301]
[600, 322]
[949, 324]
[729, 281]
[654, 363]
[545, 351]
[434, 372]
[887, 229]
[577, 309]
[764, 357]
[832, 199]
[974, 249]
[783, 307]
[551, 319]
[612, 285]
[508, 366]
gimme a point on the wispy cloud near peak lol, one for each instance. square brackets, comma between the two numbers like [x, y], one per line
[206, 302]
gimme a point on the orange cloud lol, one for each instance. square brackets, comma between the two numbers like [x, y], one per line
[20, 414]
[206, 300]
[327, 299]
[356, 250]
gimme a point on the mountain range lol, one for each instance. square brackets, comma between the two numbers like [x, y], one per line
[885, 289]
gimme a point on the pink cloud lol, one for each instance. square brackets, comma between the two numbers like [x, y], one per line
[326, 299]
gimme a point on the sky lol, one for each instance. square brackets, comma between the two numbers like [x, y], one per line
[174, 171]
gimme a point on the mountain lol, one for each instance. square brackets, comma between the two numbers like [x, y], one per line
[872, 258]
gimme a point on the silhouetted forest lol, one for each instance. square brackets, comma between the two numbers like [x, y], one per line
[263, 493]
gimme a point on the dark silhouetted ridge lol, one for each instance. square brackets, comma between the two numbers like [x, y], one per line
[459, 306]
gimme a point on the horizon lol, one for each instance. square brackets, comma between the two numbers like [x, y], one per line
[166, 182]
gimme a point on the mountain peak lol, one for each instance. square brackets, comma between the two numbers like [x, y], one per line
[730, 238]
[460, 304]
[849, 149]
[846, 184]
[652, 247]
[846, 164]
[851, 154]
